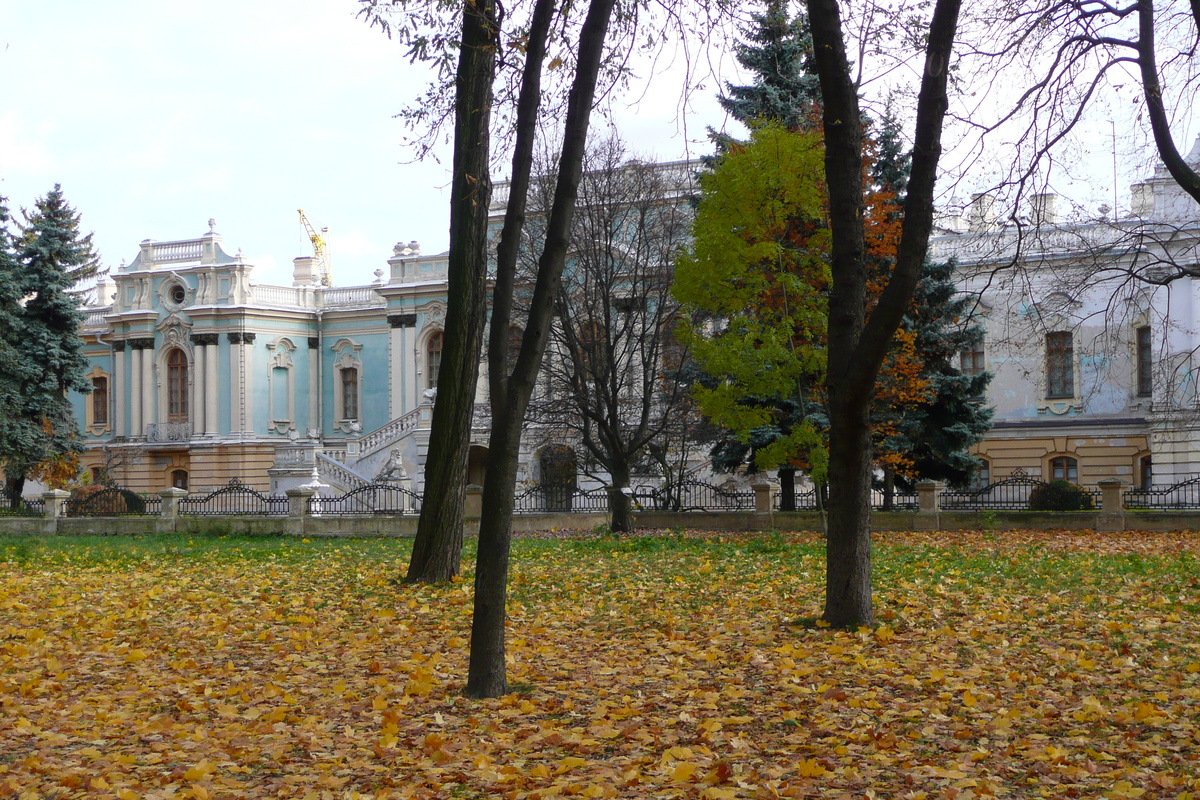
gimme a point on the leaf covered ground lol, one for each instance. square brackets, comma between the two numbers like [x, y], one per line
[1007, 664]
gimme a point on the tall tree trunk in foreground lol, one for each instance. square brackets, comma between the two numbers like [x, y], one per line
[857, 345]
[510, 393]
[620, 504]
[437, 549]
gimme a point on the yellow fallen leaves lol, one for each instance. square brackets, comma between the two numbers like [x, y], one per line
[1014, 666]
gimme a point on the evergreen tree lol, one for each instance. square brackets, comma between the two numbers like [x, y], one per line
[778, 51]
[43, 357]
[938, 435]
[16, 371]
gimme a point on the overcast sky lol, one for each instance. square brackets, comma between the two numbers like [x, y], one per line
[156, 116]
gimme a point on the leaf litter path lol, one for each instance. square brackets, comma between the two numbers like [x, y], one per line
[1010, 664]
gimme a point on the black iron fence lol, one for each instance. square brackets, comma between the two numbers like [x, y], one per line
[693, 495]
[113, 501]
[234, 499]
[14, 505]
[560, 499]
[375, 498]
[807, 501]
[1185, 494]
[1010, 494]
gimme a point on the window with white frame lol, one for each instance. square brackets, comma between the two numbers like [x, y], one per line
[1060, 365]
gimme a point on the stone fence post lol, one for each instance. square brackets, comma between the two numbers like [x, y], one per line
[168, 517]
[298, 498]
[56, 509]
[1112, 509]
[473, 506]
[763, 497]
[928, 513]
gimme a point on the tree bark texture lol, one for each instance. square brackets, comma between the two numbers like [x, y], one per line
[437, 550]
[487, 675]
[857, 345]
[620, 505]
[787, 489]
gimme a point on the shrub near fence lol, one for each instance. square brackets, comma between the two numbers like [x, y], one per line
[1010, 494]
[112, 501]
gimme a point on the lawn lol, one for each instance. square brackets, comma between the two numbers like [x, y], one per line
[1007, 664]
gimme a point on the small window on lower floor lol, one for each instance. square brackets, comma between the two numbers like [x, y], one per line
[179, 479]
[1064, 468]
[1145, 473]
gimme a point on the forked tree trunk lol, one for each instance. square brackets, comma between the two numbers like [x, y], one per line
[437, 550]
[857, 346]
[487, 675]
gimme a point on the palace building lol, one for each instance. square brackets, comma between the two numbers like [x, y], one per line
[200, 375]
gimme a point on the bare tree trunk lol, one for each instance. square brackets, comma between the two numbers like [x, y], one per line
[857, 346]
[437, 550]
[620, 505]
[486, 674]
[787, 489]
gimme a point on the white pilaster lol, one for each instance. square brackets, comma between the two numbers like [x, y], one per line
[118, 384]
[198, 382]
[212, 379]
[136, 428]
[147, 388]
[396, 370]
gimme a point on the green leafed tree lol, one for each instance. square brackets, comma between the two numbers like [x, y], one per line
[42, 352]
[754, 283]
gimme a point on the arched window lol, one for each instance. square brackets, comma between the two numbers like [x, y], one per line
[177, 386]
[179, 479]
[100, 401]
[349, 393]
[434, 352]
[1064, 468]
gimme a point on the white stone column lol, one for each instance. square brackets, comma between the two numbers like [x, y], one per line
[148, 385]
[314, 384]
[199, 378]
[248, 381]
[118, 387]
[396, 406]
[211, 380]
[235, 384]
[136, 428]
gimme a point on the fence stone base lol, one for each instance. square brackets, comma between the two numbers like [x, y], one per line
[406, 526]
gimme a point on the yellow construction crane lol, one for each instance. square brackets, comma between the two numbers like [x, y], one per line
[319, 247]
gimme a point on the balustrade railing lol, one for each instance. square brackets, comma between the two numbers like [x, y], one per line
[351, 296]
[285, 296]
[389, 433]
[340, 473]
[169, 432]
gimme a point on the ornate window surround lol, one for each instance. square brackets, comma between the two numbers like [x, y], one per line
[94, 427]
[280, 357]
[347, 354]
